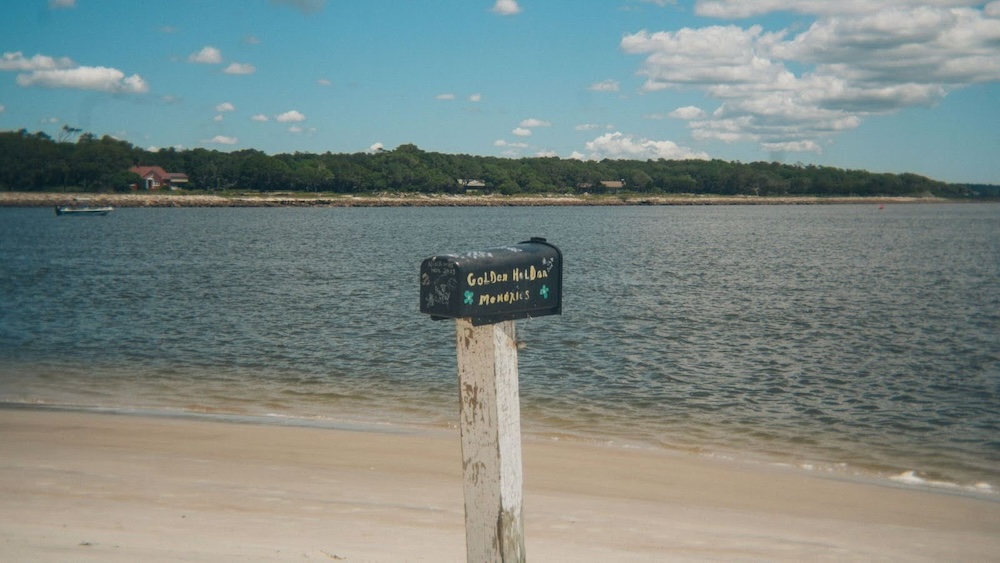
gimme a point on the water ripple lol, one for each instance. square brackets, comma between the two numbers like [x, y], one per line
[822, 335]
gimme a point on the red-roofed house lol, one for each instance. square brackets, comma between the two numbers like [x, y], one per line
[154, 177]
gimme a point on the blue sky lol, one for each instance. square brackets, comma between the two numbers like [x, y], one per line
[882, 85]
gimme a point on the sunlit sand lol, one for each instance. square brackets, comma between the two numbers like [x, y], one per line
[79, 486]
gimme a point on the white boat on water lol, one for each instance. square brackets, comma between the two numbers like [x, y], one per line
[83, 210]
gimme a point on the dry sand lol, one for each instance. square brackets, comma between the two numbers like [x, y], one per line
[102, 487]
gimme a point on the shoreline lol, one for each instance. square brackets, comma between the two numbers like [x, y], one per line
[907, 477]
[126, 488]
[50, 199]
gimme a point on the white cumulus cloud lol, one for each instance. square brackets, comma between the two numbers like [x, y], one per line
[221, 140]
[735, 9]
[57, 4]
[793, 89]
[605, 86]
[98, 78]
[290, 116]
[260, 117]
[240, 68]
[521, 132]
[445, 97]
[225, 106]
[699, 57]
[688, 112]
[532, 122]
[207, 55]
[792, 146]
[16, 61]
[475, 98]
[506, 7]
[620, 146]
[503, 143]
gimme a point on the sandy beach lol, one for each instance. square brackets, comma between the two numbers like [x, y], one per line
[105, 487]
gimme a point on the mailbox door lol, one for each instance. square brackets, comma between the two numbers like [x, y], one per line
[494, 285]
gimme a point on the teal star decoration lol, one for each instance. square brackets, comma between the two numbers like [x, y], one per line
[468, 297]
[544, 291]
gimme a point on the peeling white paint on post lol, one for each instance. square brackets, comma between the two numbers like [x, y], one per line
[491, 441]
[485, 291]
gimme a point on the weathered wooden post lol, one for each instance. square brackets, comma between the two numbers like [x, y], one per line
[485, 291]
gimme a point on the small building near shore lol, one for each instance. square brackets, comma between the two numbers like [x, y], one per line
[471, 185]
[604, 186]
[155, 177]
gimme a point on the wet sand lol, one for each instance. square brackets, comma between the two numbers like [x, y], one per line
[105, 487]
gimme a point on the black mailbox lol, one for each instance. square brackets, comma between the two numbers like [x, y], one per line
[493, 285]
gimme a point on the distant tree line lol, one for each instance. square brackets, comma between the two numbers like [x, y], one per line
[36, 162]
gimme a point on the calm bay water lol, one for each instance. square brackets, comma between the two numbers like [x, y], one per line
[843, 338]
